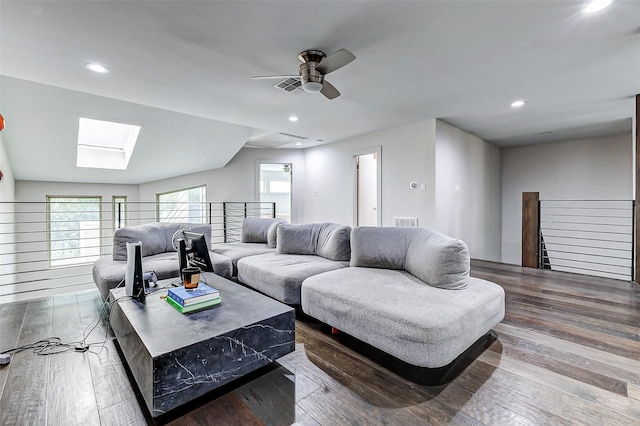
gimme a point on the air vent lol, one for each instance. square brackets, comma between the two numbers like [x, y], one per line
[406, 222]
[291, 85]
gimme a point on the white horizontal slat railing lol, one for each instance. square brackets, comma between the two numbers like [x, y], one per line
[587, 237]
[49, 248]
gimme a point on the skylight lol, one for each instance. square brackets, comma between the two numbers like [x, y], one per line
[105, 144]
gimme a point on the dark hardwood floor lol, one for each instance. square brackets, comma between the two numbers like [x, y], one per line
[568, 352]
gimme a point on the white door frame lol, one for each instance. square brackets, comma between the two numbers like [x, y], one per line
[258, 163]
[377, 150]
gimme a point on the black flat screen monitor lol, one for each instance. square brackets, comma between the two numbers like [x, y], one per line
[195, 252]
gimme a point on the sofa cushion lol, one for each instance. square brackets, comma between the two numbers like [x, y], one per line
[334, 242]
[281, 275]
[379, 247]
[108, 274]
[236, 251]
[272, 232]
[431, 256]
[152, 235]
[297, 239]
[438, 260]
[328, 240]
[256, 230]
[155, 237]
[395, 312]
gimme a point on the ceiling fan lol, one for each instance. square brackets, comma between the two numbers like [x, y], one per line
[315, 65]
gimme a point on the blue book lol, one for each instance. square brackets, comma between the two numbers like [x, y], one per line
[186, 297]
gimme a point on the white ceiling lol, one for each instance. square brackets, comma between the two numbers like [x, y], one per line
[182, 69]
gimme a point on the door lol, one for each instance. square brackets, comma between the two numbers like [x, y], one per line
[367, 189]
[275, 187]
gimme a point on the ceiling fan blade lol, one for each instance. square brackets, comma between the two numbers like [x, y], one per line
[335, 61]
[273, 77]
[329, 90]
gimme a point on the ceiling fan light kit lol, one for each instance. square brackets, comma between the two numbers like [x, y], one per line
[315, 65]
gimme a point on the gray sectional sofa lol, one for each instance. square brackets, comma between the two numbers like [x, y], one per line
[158, 254]
[408, 293]
[405, 291]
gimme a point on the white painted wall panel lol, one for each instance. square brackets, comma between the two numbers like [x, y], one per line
[468, 190]
[585, 169]
[408, 155]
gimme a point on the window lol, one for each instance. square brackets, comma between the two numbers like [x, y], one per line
[187, 205]
[119, 211]
[74, 230]
[279, 187]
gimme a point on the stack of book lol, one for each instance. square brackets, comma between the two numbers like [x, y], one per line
[193, 300]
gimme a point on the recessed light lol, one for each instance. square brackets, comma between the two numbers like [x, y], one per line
[298, 143]
[96, 68]
[596, 5]
[293, 118]
[517, 104]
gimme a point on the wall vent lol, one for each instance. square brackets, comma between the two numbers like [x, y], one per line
[406, 222]
[291, 85]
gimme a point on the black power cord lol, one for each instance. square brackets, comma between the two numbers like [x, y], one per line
[55, 345]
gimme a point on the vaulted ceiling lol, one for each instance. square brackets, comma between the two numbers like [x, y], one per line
[182, 71]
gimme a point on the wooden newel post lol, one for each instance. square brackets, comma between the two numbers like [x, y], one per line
[530, 229]
[636, 239]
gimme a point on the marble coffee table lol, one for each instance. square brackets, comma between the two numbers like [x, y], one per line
[177, 357]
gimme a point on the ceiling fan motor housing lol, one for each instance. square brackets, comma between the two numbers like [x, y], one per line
[311, 78]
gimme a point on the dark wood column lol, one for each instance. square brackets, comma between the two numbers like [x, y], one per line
[530, 229]
[636, 237]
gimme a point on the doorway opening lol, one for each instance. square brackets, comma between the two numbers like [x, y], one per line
[367, 187]
[275, 187]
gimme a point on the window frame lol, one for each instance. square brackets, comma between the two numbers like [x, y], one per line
[114, 201]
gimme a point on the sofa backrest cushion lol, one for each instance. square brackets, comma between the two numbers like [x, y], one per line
[328, 240]
[156, 237]
[334, 242]
[432, 257]
[379, 247]
[152, 235]
[260, 230]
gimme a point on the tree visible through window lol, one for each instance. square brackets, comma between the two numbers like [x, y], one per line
[187, 205]
[74, 230]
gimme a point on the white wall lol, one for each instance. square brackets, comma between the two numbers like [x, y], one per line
[585, 169]
[7, 228]
[408, 155]
[238, 179]
[468, 190]
[37, 191]
[7, 187]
